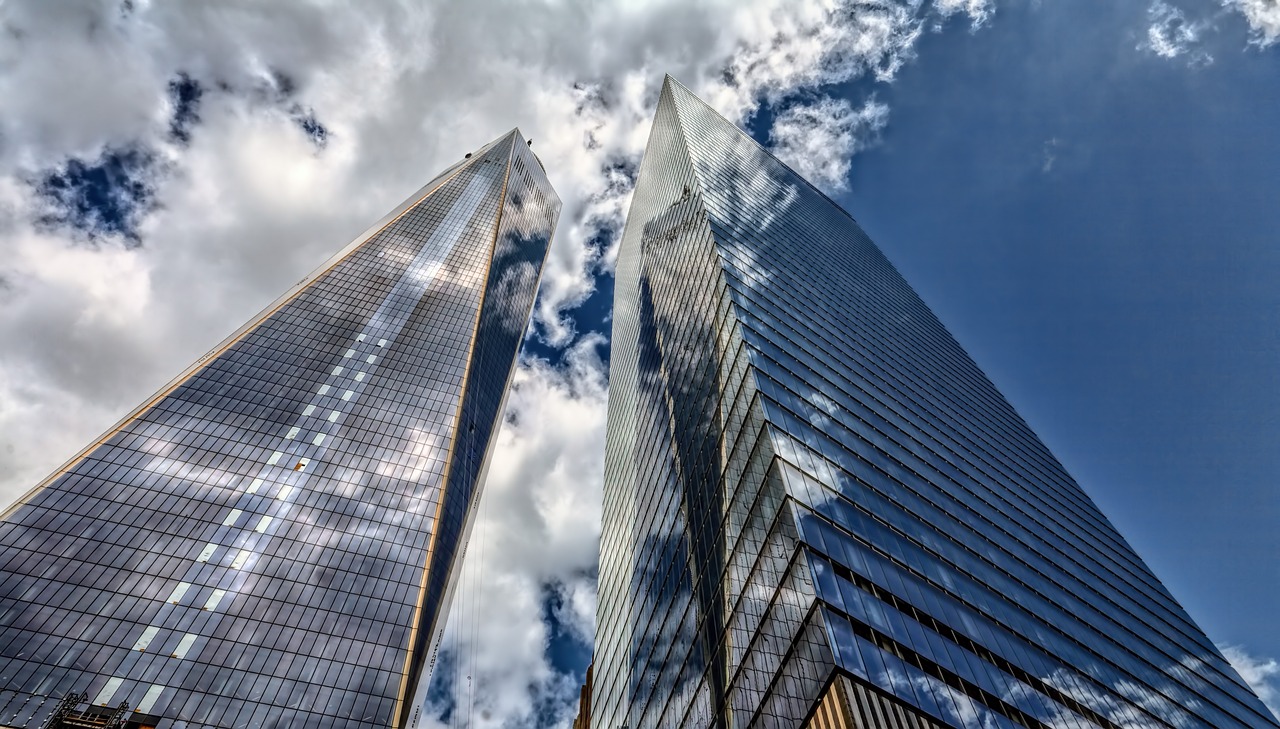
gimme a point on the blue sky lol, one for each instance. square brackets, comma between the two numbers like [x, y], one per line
[1086, 192]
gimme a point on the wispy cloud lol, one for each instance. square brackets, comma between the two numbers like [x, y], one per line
[819, 139]
[1263, 17]
[1262, 674]
[1172, 35]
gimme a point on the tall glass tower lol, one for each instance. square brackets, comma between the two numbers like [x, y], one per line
[819, 511]
[270, 540]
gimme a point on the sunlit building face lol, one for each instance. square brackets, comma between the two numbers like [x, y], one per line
[819, 511]
[270, 540]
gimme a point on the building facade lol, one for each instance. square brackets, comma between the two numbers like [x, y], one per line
[819, 511]
[270, 541]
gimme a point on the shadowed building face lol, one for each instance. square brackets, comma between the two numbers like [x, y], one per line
[270, 540]
[817, 507]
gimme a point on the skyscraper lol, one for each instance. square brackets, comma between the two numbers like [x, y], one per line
[270, 541]
[819, 510]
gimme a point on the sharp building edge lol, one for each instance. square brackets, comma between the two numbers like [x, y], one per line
[818, 510]
[272, 540]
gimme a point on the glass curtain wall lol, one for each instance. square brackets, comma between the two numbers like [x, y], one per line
[808, 478]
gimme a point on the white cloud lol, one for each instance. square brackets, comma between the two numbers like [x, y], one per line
[1263, 17]
[1171, 34]
[1262, 674]
[979, 11]
[819, 139]
[539, 525]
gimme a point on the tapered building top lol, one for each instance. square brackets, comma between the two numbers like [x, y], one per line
[271, 540]
[817, 507]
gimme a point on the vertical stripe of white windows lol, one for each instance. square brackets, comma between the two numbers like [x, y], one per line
[348, 353]
[149, 699]
[275, 458]
[263, 523]
[214, 599]
[318, 439]
[145, 639]
[108, 691]
[232, 517]
[333, 416]
[359, 376]
[184, 645]
[324, 389]
[207, 552]
[310, 408]
[347, 395]
[293, 433]
[253, 487]
[240, 559]
[175, 597]
[382, 342]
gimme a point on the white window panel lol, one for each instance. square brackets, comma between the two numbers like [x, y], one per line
[285, 491]
[293, 433]
[207, 552]
[240, 559]
[149, 699]
[324, 390]
[360, 338]
[349, 352]
[302, 464]
[232, 517]
[184, 645]
[359, 376]
[175, 597]
[108, 691]
[333, 416]
[318, 439]
[275, 458]
[145, 639]
[310, 408]
[370, 359]
[382, 342]
[263, 523]
[347, 395]
[214, 599]
[253, 487]
[337, 371]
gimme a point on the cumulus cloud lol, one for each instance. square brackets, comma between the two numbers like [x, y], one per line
[1263, 17]
[268, 134]
[1171, 34]
[819, 139]
[539, 526]
[1262, 674]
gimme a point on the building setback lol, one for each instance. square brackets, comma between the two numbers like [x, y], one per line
[271, 540]
[819, 511]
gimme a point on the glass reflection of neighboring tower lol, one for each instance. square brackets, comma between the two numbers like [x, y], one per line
[270, 541]
[818, 510]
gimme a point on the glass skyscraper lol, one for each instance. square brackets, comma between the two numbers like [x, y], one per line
[819, 511]
[270, 541]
